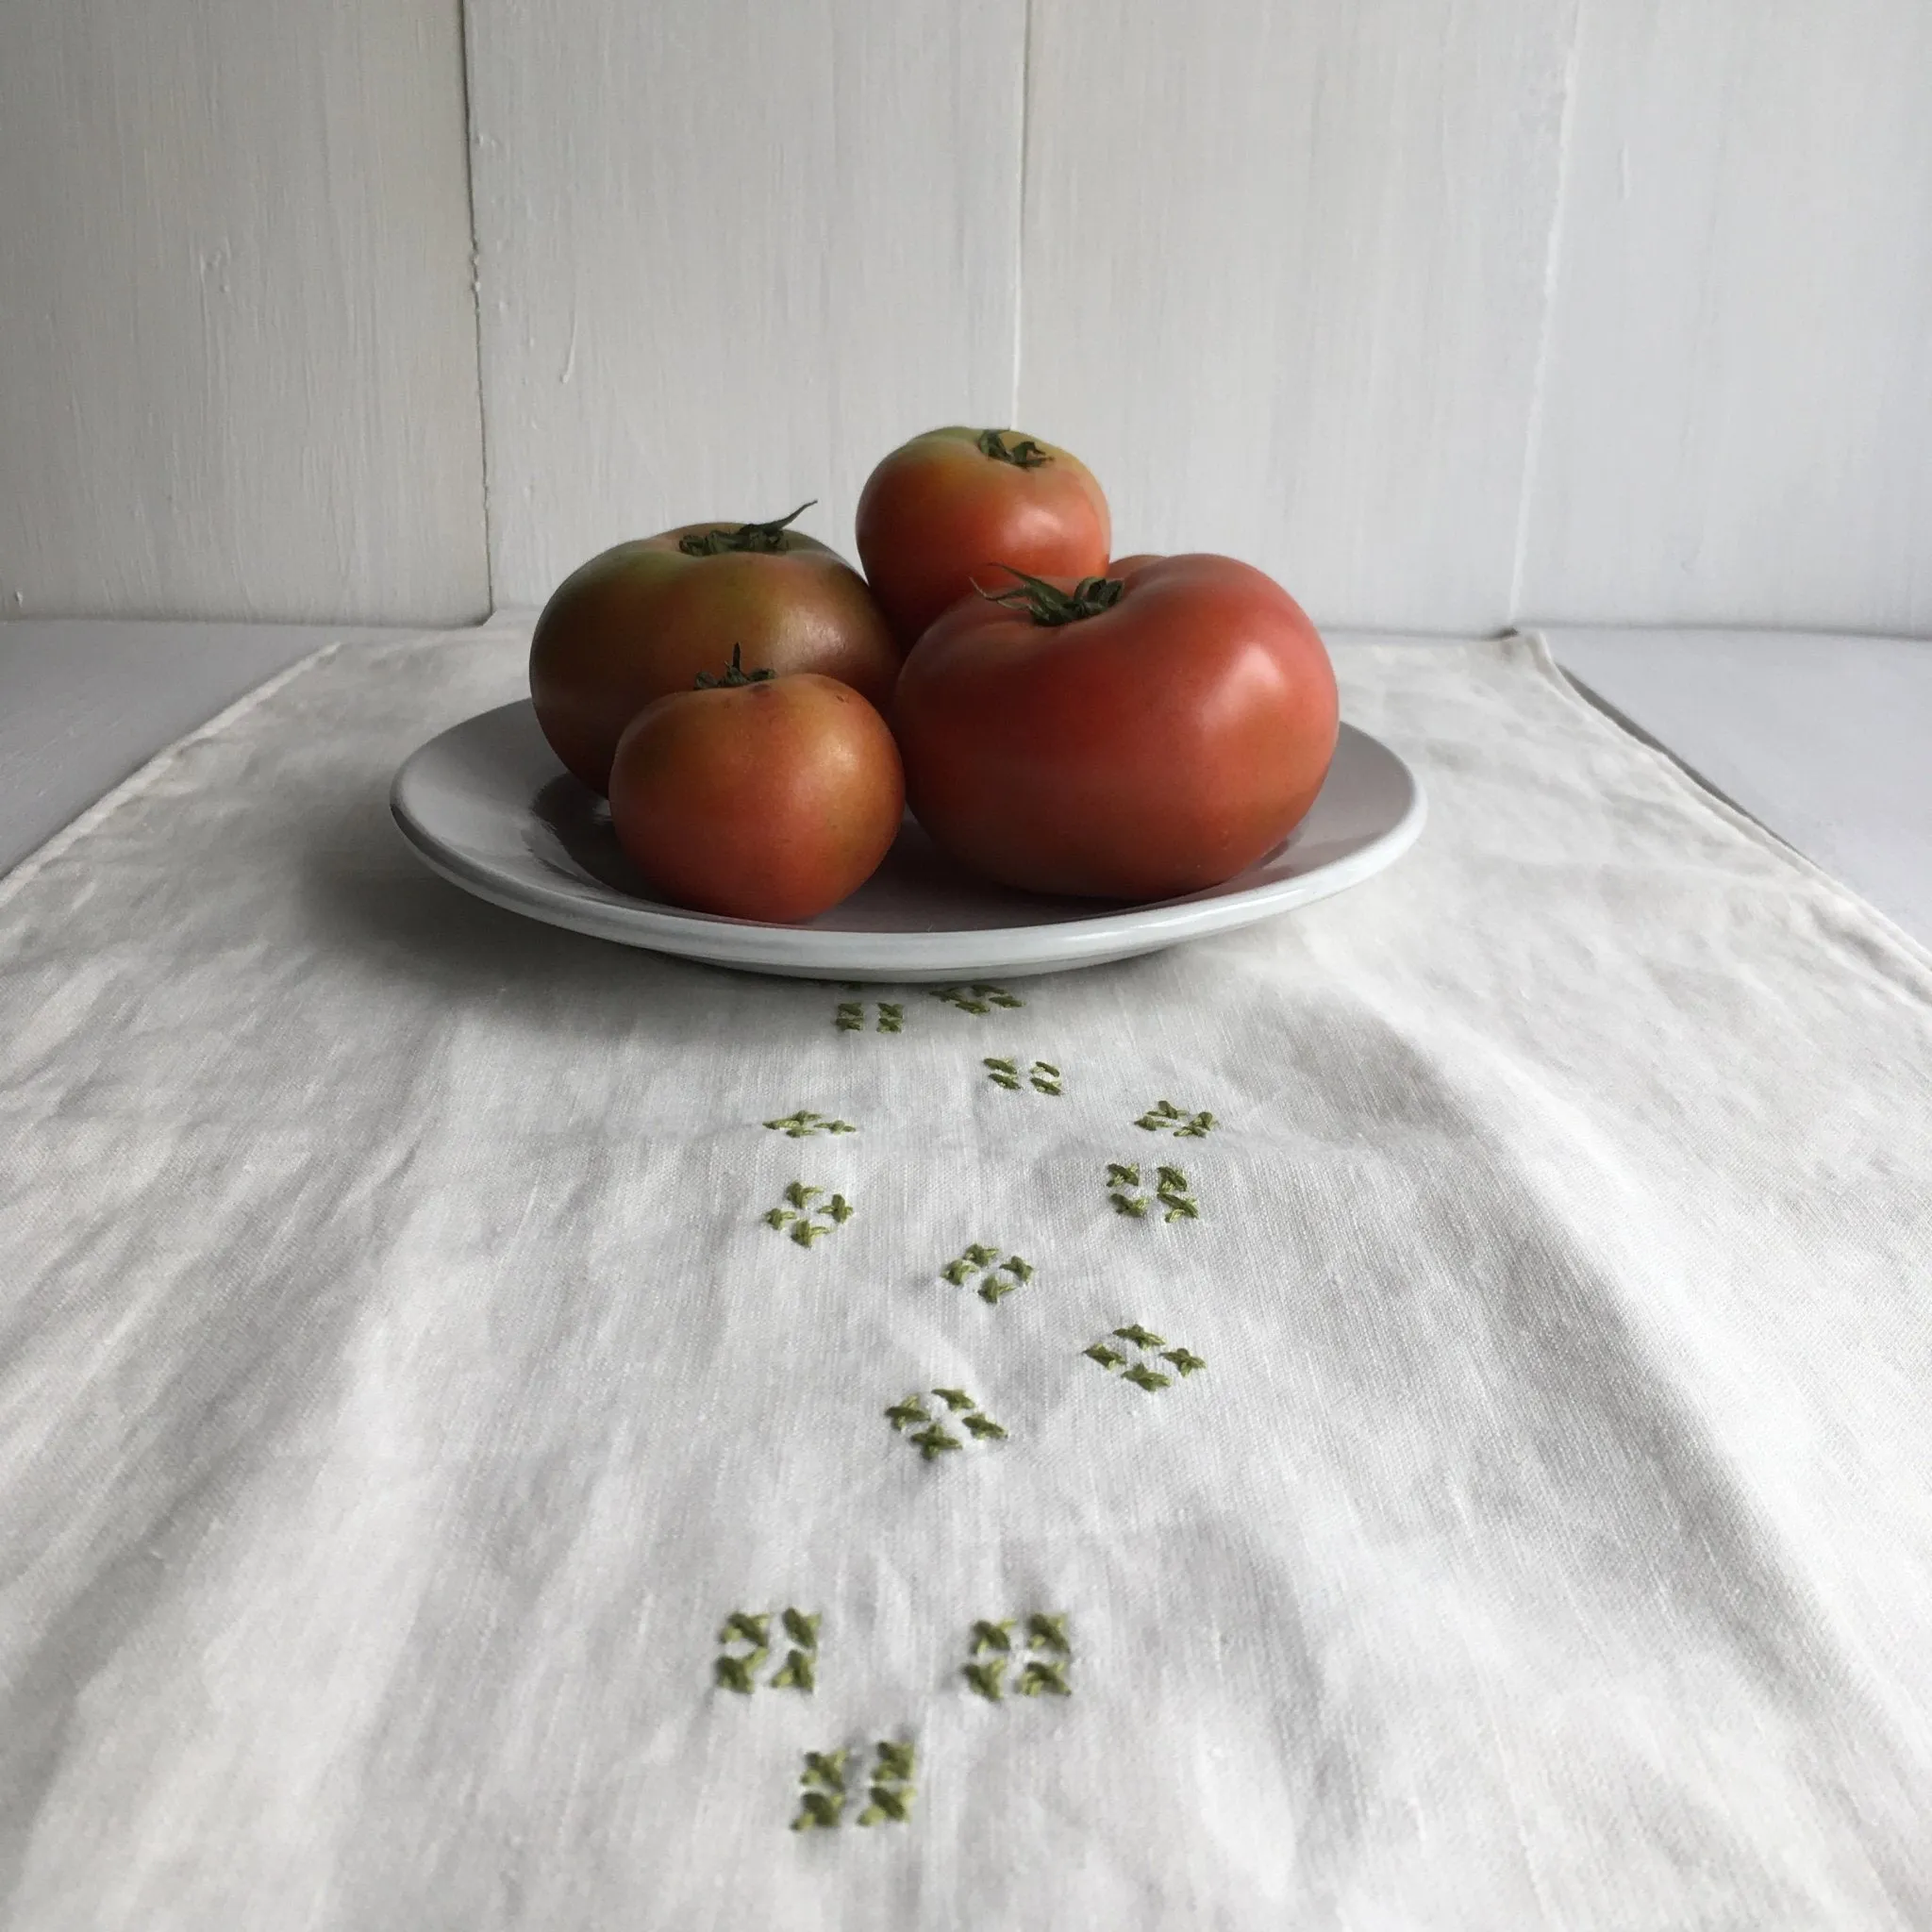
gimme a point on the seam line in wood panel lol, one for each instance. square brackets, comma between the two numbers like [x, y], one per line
[1553, 262]
[463, 27]
[1019, 214]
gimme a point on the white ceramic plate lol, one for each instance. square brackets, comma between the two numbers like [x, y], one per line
[488, 805]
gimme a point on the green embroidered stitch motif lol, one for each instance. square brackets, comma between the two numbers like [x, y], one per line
[1050, 1677]
[1042, 1077]
[975, 999]
[797, 1125]
[851, 1016]
[746, 1637]
[1140, 1374]
[798, 1672]
[739, 1673]
[1172, 1193]
[935, 1440]
[985, 1678]
[1001, 1277]
[1165, 1117]
[892, 1790]
[1048, 1633]
[799, 1215]
[1042, 1673]
[822, 1800]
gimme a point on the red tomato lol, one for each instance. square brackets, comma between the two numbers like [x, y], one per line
[645, 618]
[1126, 738]
[768, 800]
[954, 504]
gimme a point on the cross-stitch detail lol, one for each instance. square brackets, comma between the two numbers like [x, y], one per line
[985, 1679]
[1048, 1633]
[1043, 1676]
[800, 1214]
[975, 999]
[1001, 1277]
[797, 1125]
[1164, 1117]
[822, 1800]
[851, 1016]
[1141, 1374]
[746, 1639]
[1041, 1673]
[739, 1674]
[935, 1440]
[892, 1790]
[798, 1672]
[1042, 1077]
[1172, 1193]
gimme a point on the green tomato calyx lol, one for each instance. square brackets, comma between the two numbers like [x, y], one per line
[1024, 454]
[722, 542]
[735, 673]
[1044, 602]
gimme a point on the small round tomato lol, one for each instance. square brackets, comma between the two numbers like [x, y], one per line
[954, 504]
[768, 798]
[1125, 738]
[645, 618]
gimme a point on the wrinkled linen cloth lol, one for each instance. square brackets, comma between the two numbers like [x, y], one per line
[412, 1366]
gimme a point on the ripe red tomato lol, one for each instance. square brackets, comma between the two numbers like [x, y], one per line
[1124, 738]
[770, 799]
[954, 504]
[645, 618]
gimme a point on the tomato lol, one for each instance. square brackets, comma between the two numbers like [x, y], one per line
[1124, 738]
[770, 798]
[645, 618]
[954, 504]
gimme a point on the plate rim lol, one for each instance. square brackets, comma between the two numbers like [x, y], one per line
[1046, 945]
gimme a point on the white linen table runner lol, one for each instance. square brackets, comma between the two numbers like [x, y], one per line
[1416, 1414]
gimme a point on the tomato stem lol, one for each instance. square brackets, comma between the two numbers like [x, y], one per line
[1025, 455]
[763, 537]
[735, 673]
[1046, 603]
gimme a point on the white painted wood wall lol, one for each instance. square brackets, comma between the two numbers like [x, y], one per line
[1453, 313]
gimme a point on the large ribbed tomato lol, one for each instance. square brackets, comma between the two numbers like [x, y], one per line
[952, 505]
[1125, 738]
[646, 617]
[769, 799]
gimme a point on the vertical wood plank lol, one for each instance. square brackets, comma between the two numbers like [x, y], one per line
[237, 364]
[730, 252]
[1284, 272]
[1736, 425]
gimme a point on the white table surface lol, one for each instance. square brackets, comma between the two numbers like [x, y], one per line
[84, 703]
[1821, 739]
[1827, 740]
